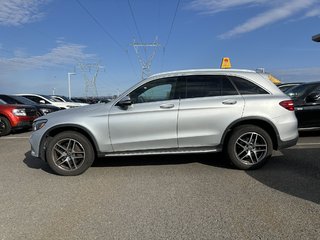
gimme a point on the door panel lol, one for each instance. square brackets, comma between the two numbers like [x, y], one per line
[144, 126]
[308, 115]
[202, 121]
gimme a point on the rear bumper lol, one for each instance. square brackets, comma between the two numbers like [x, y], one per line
[286, 144]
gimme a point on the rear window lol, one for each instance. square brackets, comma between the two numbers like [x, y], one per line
[246, 87]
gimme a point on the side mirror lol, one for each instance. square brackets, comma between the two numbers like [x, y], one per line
[42, 102]
[313, 97]
[125, 102]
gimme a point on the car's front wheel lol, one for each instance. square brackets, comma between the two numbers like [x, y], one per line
[5, 127]
[70, 153]
[249, 147]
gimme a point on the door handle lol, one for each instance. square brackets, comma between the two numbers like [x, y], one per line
[229, 102]
[167, 106]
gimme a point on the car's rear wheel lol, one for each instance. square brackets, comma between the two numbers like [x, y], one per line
[249, 147]
[70, 153]
[5, 127]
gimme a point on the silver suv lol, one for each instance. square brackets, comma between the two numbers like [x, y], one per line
[239, 112]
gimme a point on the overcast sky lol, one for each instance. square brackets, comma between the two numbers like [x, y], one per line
[42, 40]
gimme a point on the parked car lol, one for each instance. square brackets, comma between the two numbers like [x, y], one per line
[306, 99]
[65, 99]
[15, 117]
[42, 109]
[285, 86]
[46, 99]
[239, 112]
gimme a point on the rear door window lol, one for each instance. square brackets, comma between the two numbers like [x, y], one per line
[208, 86]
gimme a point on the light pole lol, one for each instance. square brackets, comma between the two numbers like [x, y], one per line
[69, 83]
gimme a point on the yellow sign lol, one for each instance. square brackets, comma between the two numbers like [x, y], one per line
[274, 79]
[225, 63]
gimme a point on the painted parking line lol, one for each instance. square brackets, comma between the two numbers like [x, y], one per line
[307, 144]
[13, 138]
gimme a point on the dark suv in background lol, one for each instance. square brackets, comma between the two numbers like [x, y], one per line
[306, 99]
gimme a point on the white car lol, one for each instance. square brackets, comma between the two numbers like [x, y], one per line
[239, 112]
[46, 99]
[64, 99]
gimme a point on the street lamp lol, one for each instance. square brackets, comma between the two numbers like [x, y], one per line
[69, 83]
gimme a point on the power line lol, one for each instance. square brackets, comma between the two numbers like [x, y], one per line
[172, 23]
[100, 25]
[134, 21]
[107, 33]
[170, 32]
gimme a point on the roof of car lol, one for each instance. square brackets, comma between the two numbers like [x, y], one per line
[201, 71]
[311, 83]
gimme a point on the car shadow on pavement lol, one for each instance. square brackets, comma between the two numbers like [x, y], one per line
[36, 163]
[297, 173]
[212, 159]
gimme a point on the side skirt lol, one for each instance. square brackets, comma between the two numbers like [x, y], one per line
[164, 151]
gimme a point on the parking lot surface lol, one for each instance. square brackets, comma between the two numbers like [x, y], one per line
[161, 197]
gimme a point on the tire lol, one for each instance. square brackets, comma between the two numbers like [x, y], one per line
[5, 126]
[70, 153]
[249, 147]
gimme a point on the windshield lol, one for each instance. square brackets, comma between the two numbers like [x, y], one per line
[23, 100]
[2, 102]
[49, 98]
[65, 99]
[296, 91]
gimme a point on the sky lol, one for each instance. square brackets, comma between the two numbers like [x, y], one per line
[41, 41]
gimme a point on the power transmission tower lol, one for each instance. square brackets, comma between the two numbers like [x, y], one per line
[147, 61]
[90, 82]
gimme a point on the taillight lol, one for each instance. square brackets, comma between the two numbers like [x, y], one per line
[287, 104]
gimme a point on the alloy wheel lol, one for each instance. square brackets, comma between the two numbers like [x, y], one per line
[68, 154]
[251, 148]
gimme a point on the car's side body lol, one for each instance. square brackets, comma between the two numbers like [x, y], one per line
[306, 98]
[185, 121]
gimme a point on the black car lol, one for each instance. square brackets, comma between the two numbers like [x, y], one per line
[285, 86]
[42, 109]
[306, 98]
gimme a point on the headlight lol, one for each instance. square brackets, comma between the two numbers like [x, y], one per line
[45, 111]
[38, 124]
[19, 112]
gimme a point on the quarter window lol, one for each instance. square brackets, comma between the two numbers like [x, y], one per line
[246, 87]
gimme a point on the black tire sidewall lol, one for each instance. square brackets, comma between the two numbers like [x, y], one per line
[237, 132]
[7, 125]
[89, 153]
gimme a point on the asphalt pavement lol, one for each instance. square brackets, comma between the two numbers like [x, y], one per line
[196, 196]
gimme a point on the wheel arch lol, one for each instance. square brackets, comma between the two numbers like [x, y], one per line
[7, 117]
[50, 133]
[263, 123]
